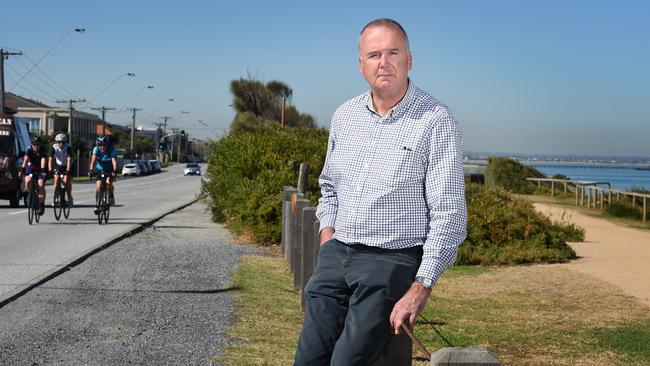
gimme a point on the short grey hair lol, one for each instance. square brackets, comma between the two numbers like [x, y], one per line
[388, 23]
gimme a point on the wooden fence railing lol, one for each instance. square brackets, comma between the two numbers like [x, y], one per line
[590, 195]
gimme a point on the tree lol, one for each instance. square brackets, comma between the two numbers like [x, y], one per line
[264, 102]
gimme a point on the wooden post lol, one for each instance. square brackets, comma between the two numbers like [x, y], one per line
[286, 211]
[302, 177]
[609, 197]
[316, 238]
[463, 356]
[565, 186]
[293, 234]
[307, 258]
[552, 188]
[296, 255]
[644, 209]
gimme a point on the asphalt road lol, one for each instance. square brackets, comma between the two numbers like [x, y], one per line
[29, 253]
[159, 297]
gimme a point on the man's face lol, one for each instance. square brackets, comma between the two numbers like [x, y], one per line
[35, 146]
[384, 60]
[60, 143]
[102, 147]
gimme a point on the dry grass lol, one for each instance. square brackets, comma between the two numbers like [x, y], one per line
[533, 315]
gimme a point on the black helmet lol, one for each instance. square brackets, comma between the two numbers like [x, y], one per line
[37, 141]
[101, 140]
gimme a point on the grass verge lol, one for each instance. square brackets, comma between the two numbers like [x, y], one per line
[527, 315]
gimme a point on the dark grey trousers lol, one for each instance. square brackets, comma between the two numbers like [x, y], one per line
[348, 301]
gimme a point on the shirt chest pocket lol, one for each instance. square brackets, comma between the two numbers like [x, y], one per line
[399, 166]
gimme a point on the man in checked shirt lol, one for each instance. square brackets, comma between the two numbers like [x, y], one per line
[392, 212]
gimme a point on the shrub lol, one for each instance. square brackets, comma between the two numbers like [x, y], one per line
[511, 175]
[619, 209]
[247, 171]
[505, 230]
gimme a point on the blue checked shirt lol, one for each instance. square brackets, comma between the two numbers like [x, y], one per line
[396, 181]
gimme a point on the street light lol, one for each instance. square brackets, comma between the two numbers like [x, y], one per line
[78, 30]
[130, 74]
[138, 92]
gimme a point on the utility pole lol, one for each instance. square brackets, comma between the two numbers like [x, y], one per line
[3, 55]
[165, 118]
[70, 103]
[103, 109]
[133, 130]
[174, 132]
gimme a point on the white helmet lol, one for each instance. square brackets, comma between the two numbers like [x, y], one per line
[60, 138]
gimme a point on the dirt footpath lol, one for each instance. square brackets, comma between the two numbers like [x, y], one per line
[611, 252]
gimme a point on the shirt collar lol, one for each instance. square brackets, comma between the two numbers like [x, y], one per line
[410, 90]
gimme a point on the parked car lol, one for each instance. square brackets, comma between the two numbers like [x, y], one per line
[192, 169]
[131, 169]
[144, 166]
[156, 165]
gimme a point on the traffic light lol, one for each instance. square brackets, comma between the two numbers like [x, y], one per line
[182, 134]
[161, 146]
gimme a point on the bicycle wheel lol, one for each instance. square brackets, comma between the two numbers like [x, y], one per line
[100, 204]
[66, 205]
[107, 206]
[58, 205]
[30, 207]
[36, 205]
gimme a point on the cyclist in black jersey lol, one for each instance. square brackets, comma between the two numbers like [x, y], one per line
[34, 163]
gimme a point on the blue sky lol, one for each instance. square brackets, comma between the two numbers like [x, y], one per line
[555, 77]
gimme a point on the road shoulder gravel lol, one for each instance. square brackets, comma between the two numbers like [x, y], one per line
[158, 297]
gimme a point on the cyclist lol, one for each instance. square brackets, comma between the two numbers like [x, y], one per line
[61, 160]
[34, 163]
[103, 159]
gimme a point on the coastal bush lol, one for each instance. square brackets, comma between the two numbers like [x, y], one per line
[625, 210]
[503, 229]
[247, 171]
[511, 175]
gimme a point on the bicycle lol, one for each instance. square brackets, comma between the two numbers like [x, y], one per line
[60, 203]
[33, 205]
[103, 201]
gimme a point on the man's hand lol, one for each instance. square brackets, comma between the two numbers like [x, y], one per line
[407, 309]
[90, 174]
[326, 234]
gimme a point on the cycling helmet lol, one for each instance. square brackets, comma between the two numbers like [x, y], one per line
[101, 140]
[37, 141]
[60, 138]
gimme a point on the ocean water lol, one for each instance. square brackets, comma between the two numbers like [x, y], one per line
[621, 172]
[621, 176]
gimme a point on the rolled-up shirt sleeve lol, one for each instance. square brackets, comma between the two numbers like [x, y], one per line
[445, 195]
[328, 203]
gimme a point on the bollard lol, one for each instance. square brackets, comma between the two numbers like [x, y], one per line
[302, 177]
[448, 356]
[316, 243]
[307, 259]
[286, 209]
[296, 254]
[293, 235]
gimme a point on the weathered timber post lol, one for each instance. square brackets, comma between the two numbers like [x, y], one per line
[302, 177]
[293, 234]
[552, 188]
[308, 248]
[286, 211]
[448, 356]
[565, 186]
[644, 209]
[296, 255]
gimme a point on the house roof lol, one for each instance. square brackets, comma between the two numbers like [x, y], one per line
[14, 102]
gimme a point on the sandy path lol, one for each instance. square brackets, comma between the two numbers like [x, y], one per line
[611, 252]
